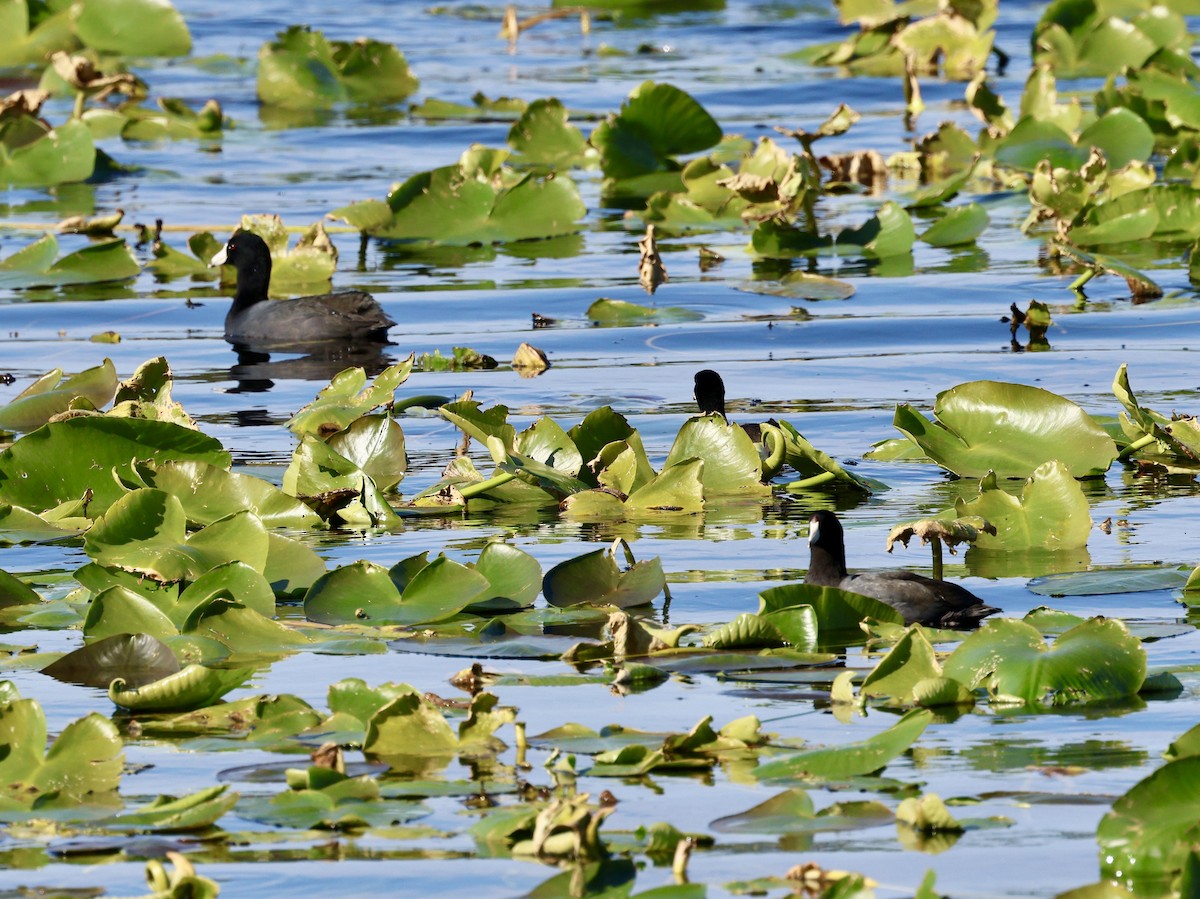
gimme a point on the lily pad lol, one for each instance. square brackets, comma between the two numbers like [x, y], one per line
[596, 578]
[852, 760]
[192, 688]
[1009, 429]
[1095, 660]
[1050, 513]
[67, 459]
[50, 395]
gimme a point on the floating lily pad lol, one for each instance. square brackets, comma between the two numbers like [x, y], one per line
[132, 27]
[840, 762]
[1108, 581]
[621, 313]
[1095, 660]
[802, 286]
[137, 658]
[34, 266]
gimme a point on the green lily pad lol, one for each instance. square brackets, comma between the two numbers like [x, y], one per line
[656, 123]
[192, 688]
[1148, 834]
[1051, 512]
[367, 592]
[82, 765]
[1009, 429]
[302, 69]
[50, 394]
[58, 156]
[137, 658]
[167, 814]
[960, 225]
[132, 27]
[1095, 660]
[66, 459]
[34, 266]
[802, 286]
[621, 313]
[596, 578]
[731, 461]
[208, 493]
[840, 762]
[542, 136]
[472, 202]
[146, 532]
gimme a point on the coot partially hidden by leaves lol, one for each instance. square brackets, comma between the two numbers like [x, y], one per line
[918, 598]
[254, 319]
[710, 393]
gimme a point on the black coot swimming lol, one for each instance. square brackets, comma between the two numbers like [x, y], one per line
[253, 319]
[918, 598]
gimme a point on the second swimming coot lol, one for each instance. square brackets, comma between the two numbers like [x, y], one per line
[919, 599]
[253, 318]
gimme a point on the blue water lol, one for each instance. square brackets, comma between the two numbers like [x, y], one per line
[837, 375]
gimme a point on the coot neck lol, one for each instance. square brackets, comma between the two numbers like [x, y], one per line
[252, 281]
[827, 554]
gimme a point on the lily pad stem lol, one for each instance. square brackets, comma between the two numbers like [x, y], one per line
[805, 483]
[936, 544]
[774, 462]
[479, 487]
[1077, 284]
[1142, 442]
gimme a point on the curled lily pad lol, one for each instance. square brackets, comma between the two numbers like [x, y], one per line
[137, 658]
[1010, 429]
[82, 765]
[786, 444]
[348, 397]
[596, 578]
[167, 814]
[731, 462]
[57, 156]
[192, 688]
[51, 394]
[302, 69]
[542, 136]
[1051, 511]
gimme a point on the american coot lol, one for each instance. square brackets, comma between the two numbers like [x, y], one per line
[346, 315]
[919, 599]
[710, 393]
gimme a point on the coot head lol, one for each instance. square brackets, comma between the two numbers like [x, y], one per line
[710, 392]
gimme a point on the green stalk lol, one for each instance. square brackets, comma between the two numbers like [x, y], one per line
[936, 543]
[1077, 284]
[479, 487]
[1142, 442]
[774, 462]
[804, 483]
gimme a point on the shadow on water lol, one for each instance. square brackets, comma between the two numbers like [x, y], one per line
[256, 372]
